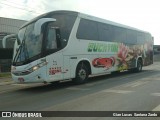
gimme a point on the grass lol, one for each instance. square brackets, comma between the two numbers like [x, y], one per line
[5, 75]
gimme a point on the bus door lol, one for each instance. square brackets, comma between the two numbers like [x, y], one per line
[54, 56]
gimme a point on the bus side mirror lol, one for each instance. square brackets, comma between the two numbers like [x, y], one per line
[12, 37]
[39, 23]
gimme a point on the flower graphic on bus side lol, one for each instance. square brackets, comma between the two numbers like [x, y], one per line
[122, 56]
[123, 52]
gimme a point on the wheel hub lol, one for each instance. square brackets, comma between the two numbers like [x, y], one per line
[82, 74]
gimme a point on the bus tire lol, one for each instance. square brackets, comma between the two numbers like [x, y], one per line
[139, 66]
[82, 74]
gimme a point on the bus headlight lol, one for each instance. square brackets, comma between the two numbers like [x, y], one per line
[36, 67]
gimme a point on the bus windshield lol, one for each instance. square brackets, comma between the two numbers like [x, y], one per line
[30, 47]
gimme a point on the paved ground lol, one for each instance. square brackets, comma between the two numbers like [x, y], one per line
[4, 81]
[121, 92]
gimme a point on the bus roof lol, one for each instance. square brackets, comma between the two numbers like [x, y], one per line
[85, 16]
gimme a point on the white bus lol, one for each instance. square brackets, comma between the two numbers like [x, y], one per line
[63, 45]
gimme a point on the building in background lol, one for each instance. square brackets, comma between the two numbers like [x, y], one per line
[8, 26]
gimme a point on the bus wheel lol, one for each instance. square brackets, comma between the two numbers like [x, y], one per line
[139, 66]
[81, 74]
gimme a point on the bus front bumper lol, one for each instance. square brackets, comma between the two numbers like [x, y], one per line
[33, 77]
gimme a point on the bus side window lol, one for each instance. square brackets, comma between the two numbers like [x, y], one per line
[51, 39]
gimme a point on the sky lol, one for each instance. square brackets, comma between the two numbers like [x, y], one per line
[141, 14]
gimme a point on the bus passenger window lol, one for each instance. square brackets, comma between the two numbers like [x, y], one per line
[51, 39]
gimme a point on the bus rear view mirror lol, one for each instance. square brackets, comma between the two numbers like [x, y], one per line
[39, 23]
[12, 37]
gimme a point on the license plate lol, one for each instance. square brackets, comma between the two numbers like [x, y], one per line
[21, 80]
